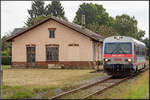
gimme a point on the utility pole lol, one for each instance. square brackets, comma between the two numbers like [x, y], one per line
[1, 72]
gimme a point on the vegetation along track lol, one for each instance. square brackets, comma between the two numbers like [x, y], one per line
[98, 87]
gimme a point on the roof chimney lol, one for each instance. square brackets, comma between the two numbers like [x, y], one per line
[83, 21]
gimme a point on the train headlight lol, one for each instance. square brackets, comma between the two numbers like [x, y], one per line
[118, 37]
[106, 59]
[129, 60]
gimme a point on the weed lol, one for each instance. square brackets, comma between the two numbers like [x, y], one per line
[36, 90]
[22, 95]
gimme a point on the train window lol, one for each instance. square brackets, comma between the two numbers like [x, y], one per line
[143, 52]
[140, 51]
[118, 48]
[137, 50]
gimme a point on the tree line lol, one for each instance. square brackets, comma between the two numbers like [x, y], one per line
[96, 19]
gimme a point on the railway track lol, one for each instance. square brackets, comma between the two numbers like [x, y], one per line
[98, 87]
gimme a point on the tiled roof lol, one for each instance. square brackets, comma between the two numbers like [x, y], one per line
[73, 26]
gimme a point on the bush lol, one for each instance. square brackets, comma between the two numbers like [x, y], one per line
[4, 53]
[6, 60]
[147, 57]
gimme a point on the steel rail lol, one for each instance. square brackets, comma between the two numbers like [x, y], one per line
[80, 88]
[106, 88]
[95, 83]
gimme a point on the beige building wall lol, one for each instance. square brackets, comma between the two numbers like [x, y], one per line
[63, 36]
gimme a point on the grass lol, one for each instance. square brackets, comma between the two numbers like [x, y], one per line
[6, 66]
[44, 77]
[141, 91]
[22, 94]
[136, 88]
[27, 83]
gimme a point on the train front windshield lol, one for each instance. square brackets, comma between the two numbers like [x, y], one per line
[118, 48]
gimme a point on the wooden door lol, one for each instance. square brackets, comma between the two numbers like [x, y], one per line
[31, 56]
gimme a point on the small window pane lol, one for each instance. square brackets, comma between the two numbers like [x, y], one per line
[51, 33]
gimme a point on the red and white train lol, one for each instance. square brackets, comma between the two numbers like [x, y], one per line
[123, 55]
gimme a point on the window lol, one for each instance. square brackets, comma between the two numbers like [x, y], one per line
[52, 53]
[73, 44]
[143, 52]
[51, 32]
[140, 51]
[118, 48]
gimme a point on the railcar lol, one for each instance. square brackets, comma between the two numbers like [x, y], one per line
[123, 55]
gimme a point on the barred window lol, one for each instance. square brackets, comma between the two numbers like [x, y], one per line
[52, 53]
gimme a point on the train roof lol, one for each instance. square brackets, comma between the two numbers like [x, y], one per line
[124, 38]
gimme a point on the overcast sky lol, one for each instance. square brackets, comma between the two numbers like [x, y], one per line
[14, 13]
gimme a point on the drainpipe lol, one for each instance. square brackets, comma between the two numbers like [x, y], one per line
[98, 51]
[1, 71]
[98, 61]
[102, 52]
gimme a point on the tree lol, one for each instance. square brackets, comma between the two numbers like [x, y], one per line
[6, 46]
[6, 51]
[140, 34]
[107, 31]
[102, 30]
[94, 14]
[37, 9]
[38, 12]
[55, 9]
[37, 20]
[96, 19]
[125, 25]
[146, 41]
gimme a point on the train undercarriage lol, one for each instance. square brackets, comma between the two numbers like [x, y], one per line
[120, 69]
